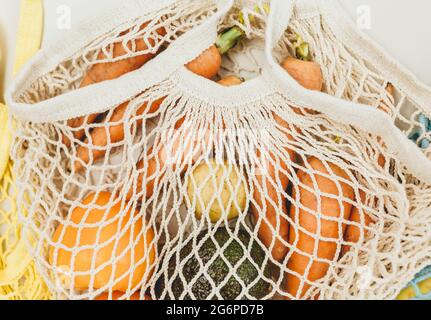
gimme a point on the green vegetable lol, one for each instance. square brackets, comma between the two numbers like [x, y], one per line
[229, 39]
[302, 49]
[218, 270]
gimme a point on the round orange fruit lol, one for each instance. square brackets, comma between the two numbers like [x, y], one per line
[101, 245]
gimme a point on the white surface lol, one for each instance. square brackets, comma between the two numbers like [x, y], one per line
[401, 27]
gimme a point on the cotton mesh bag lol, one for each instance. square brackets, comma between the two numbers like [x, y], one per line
[141, 177]
[360, 71]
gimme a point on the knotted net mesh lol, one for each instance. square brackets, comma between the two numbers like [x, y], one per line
[175, 195]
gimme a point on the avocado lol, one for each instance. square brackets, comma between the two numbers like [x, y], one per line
[218, 270]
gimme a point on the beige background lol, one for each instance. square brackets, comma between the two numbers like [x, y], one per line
[402, 27]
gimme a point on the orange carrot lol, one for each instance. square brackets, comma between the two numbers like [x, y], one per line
[309, 75]
[95, 146]
[271, 207]
[231, 81]
[391, 91]
[314, 219]
[112, 70]
[206, 65]
[274, 227]
[353, 232]
[306, 72]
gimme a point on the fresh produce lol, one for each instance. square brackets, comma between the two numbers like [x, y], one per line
[219, 269]
[315, 233]
[353, 232]
[99, 233]
[390, 89]
[111, 70]
[309, 75]
[176, 151]
[230, 81]
[306, 72]
[218, 190]
[116, 295]
[206, 65]
[270, 202]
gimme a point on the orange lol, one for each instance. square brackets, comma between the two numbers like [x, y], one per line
[87, 226]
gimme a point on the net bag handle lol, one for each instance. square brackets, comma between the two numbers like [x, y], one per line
[93, 99]
[361, 116]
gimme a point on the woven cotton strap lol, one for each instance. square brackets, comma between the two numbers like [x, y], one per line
[94, 98]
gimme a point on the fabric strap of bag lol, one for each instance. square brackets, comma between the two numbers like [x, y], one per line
[364, 117]
[28, 43]
[93, 99]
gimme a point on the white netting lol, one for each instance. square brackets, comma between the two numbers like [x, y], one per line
[351, 77]
[173, 194]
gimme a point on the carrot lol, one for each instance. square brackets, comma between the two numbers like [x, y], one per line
[112, 70]
[353, 233]
[313, 224]
[231, 81]
[206, 65]
[306, 72]
[391, 91]
[95, 146]
[309, 75]
[273, 228]
[158, 162]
